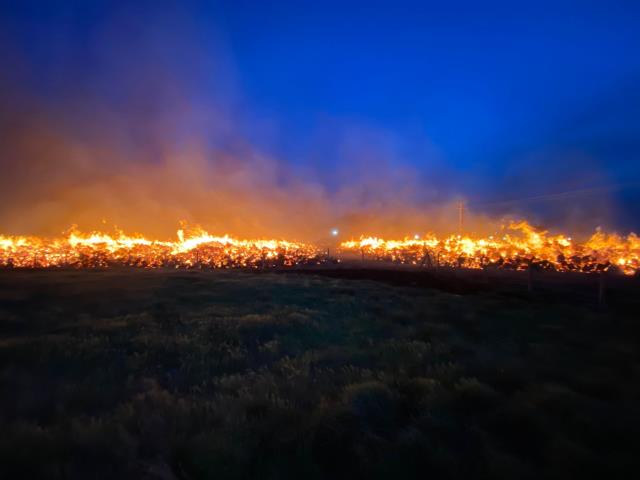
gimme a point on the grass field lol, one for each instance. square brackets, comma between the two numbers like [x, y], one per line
[230, 374]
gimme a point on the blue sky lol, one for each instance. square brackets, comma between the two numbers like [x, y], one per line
[489, 100]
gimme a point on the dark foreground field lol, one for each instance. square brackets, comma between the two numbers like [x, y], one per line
[149, 374]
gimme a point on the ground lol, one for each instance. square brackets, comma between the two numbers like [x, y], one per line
[315, 374]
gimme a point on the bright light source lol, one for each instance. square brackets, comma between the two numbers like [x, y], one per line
[334, 232]
[416, 236]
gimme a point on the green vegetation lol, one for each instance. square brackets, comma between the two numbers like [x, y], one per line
[228, 374]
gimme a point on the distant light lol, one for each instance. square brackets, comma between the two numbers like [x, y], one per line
[334, 232]
[416, 236]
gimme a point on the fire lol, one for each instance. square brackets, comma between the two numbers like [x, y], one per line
[191, 249]
[521, 246]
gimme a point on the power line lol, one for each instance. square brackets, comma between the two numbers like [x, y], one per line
[560, 195]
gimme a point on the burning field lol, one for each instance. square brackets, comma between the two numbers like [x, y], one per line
[199, 249]
[298, 240]
[517, 247]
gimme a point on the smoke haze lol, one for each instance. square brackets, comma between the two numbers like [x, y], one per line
[143, 152]
[153, 129]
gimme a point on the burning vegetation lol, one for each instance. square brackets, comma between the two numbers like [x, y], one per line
[519, 246]
[196, 248]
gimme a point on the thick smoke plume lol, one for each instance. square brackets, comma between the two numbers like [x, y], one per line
[148, 178]
[144, 129]
[141, 143]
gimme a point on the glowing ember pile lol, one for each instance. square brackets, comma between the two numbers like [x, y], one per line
[518, 248]
[194, 249]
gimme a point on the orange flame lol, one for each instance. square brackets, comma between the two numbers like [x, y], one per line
[520, 247]
[196, 247]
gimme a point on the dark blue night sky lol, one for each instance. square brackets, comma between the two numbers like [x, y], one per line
[492, 101]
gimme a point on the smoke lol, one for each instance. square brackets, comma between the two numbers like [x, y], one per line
[143, 130]
[53, 178]
[155, 160]
[140, 122]
[143, 173]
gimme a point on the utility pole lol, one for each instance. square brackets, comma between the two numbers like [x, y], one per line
[602, 289]
[460, 216]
